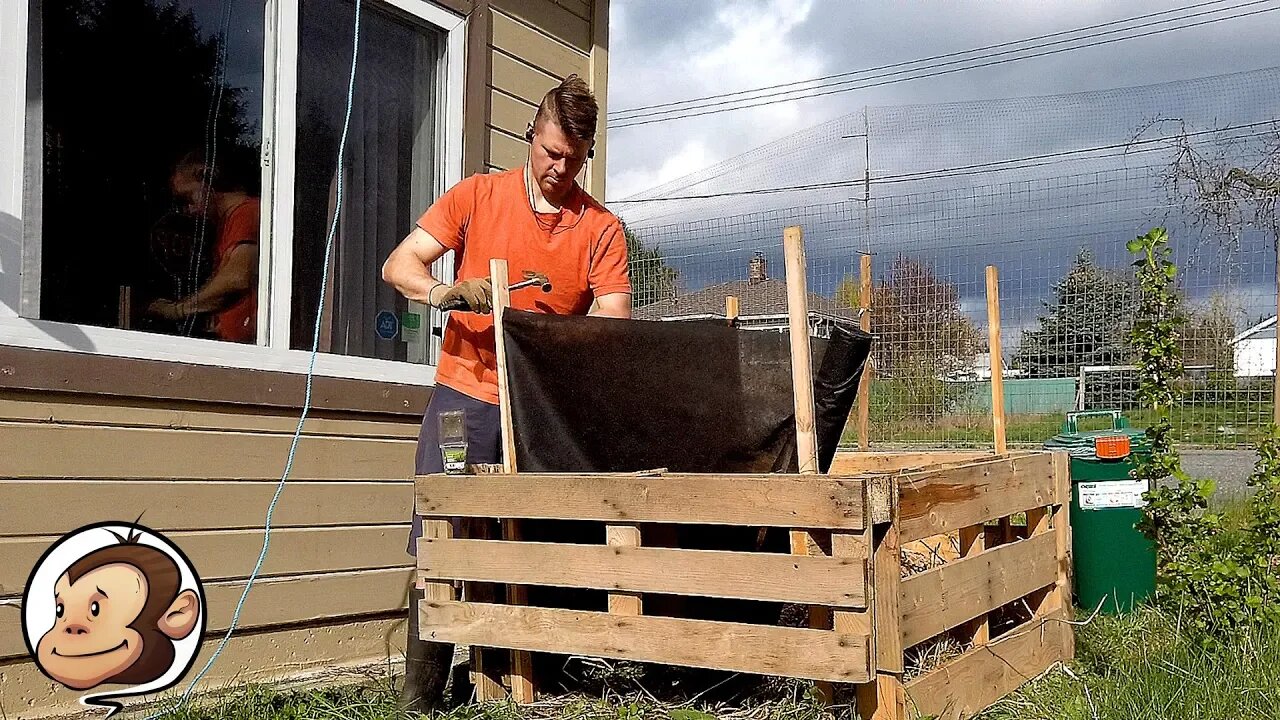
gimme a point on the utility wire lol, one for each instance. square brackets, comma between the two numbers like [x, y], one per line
[717, 107]
[617, 115]
[978, 168]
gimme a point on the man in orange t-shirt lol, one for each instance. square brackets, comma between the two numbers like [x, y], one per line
[231, 292]
[539, 220]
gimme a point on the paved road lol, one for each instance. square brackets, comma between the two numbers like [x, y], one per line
[1231, 468]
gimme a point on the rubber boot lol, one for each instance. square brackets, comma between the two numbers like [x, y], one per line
[426, 666]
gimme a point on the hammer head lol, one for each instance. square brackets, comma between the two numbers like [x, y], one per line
[533, 278]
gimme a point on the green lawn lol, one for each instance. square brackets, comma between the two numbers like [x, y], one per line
[1212, 426]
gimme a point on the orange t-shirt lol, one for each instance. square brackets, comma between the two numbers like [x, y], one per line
[239, 321]
[584, 254]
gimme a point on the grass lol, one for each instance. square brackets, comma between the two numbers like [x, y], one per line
[1213, 426]
[1135, 667]
[1140, 666]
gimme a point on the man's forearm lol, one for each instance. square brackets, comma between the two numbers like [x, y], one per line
[410, 278]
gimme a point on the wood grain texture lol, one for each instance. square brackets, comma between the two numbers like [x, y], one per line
[965, 686]
[52, 450]
[627, 567]
[864, 383]
[773, 501]
[945, 597]
[996, 358]
[620, 540]
[945, 500]
[887, 461]
[54, 507]
[763, 649]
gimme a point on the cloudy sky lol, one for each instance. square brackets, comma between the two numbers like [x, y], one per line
[665, 50]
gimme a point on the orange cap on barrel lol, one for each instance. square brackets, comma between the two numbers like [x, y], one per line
[1111, 447]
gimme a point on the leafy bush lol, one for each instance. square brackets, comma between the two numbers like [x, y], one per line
[1217, 581]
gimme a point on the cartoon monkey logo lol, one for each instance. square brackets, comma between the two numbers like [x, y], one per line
[113, 603]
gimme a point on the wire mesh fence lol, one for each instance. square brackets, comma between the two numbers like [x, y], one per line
[1056, 234]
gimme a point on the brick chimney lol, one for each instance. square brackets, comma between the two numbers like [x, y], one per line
[757, 269]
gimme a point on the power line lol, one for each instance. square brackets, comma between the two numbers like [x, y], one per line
[618, 113]
[976, 168]
[714, 108]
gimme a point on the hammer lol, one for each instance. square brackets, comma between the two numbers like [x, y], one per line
[531, 279]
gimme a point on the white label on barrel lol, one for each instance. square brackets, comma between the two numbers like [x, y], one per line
[1117, 494]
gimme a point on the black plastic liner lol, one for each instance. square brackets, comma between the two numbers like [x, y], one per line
[604, 395]
[592, 394]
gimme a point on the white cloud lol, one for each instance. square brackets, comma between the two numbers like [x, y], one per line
[692, 157]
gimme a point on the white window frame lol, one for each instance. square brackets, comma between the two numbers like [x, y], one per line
[279, 111]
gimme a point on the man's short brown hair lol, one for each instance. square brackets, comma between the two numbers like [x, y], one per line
[572, 106]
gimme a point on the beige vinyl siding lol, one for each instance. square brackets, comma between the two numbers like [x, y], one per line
[533, 45]
[336, 651]
[332, 590]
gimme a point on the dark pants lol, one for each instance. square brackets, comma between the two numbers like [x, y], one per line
[427, 664]
[484, 440]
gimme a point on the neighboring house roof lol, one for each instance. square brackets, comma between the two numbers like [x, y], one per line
[1265, 330]
[755, 298]
[758, 297]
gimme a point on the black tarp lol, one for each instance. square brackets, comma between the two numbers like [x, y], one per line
[591, 394]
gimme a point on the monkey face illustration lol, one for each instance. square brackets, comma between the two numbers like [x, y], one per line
[119, 611]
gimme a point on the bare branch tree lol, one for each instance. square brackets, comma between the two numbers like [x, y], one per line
[1224, 181]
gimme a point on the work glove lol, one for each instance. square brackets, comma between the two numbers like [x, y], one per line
[474, 295]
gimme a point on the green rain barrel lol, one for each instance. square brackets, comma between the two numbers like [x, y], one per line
[1115, 564]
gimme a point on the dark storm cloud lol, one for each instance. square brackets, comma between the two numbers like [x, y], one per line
[839, 36]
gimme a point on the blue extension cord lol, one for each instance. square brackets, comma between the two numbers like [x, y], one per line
[311, 367]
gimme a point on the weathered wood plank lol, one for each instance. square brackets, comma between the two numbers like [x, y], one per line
[945, 597]
[618, 538]
[278, 601]
[880, 461]
[763, 649]
[537, 48]
[49, 507]
[768, 500]
[945, 500]
[229, 554]
[838, 582]
[972, 682]
[104, 452]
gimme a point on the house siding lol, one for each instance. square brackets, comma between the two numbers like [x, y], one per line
[202, 466]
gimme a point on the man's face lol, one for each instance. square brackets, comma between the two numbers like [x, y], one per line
[187, 187]
[556, 159]
[91, 639]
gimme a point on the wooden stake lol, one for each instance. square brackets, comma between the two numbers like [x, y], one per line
[997, 370]
[885, 698]
[802, 383]
[521, 677]
[864, 384]
[624, 536]
[801, 359]
[731, 309]
[973, 541]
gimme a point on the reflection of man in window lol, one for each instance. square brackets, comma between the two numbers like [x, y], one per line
[231, 214]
